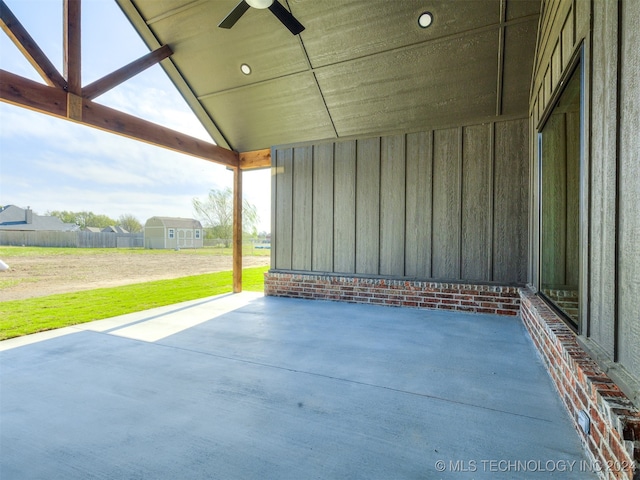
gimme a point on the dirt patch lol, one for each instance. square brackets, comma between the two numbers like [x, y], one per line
[37, 276]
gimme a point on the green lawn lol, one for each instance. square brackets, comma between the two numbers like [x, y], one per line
[22, 317]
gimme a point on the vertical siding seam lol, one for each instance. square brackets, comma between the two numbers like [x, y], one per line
[274, 196]
[492, 214]
[586, 146]
[433, 141]
[379, 203]
[590, 139]
[291, 200]
[460, 196]
[333, 210]
[501, 44]
[617, 254]
[311, 229]
[355, 206]
[404, 239]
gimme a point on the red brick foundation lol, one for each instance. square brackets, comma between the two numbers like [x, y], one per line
[398, 293]
[614, 439]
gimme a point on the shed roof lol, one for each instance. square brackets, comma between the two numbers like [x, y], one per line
[174, 222]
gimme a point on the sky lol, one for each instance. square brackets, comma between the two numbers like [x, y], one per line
[53, 164]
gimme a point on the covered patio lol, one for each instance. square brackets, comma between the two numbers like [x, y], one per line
[483, 162]
[245, 386]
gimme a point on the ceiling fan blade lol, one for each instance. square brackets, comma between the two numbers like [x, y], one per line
[235, 14]
[286, 17]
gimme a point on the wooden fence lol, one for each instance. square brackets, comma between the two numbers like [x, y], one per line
[72, 239]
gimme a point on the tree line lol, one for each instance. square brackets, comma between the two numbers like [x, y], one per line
[215, 212]
[89, 219]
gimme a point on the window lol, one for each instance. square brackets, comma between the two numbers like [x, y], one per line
[560, 166]
[172, 233]
[197, 234]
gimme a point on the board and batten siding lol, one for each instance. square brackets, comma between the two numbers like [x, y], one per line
[609, 225]
[447, 205]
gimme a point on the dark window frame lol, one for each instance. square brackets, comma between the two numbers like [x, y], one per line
[575, 67]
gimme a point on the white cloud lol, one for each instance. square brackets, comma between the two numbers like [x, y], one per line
[164, 106]
[95, 172]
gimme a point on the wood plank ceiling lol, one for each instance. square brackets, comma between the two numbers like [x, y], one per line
[360, 68]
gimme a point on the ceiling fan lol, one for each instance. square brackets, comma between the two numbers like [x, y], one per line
[287, 19]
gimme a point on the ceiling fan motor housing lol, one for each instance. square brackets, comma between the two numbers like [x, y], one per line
[259, 3]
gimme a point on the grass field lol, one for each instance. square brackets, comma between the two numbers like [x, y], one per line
[11, 252]
[40, 271]
[22, 317]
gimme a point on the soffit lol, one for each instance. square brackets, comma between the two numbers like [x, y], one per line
[359, 68]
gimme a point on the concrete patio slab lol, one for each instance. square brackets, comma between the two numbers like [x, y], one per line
[243, 386]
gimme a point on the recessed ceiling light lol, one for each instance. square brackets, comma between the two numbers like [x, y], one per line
[425, 19]
[246, 69]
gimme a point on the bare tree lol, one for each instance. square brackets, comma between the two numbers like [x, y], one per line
[216, 214]
[130, 223]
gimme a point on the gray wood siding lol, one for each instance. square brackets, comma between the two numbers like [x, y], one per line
[446, 204]
[322, 246]
[368, 206]
[392, 205]
[510, 202]
[282, 206]
[445, 260]
[302, 208]
[344, 214]
[603, 188]
[629, 275]
[418, 204]
[609, 225]
[477, 186]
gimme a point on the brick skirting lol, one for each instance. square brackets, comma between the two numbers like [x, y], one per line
[399, 293]
[614, 438]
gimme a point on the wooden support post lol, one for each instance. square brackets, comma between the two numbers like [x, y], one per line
[237, 230]
[72, 50]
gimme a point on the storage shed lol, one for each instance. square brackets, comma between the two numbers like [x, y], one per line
[172, 232]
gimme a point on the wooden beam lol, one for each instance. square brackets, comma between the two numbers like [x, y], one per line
[32, 95]
[72, 46]
[29, 48]
[114, 79]
[255, 159]
[237, 230]
[111, 120]
[53, 101]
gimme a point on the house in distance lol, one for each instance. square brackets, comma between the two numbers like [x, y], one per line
[173, 232]
[15, 218]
